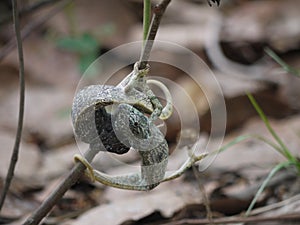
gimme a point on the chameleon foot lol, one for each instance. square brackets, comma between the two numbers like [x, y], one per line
[168, 109]
[136, 82]
[90, 170]
[170, 175]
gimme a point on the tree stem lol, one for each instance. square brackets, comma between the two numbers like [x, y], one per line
[158, 13]
[15, 153]
[67, 182]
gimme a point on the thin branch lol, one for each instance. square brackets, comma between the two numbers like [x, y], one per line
[285, 151]
[206, 200]
[28, 9]
[26, 31]
[262, 187]
[15, 153]
[238, 220]
[158, 13]
[67, 182]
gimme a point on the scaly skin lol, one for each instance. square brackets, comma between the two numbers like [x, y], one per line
[133, 90]
[126, 126]
[136, 82]
[134, 129]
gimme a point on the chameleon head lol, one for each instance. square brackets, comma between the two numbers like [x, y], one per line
[134, 129]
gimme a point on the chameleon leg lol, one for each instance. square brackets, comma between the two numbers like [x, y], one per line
[136, 79]
[135, 129]
[170, 175]
[132, 127]
[157, 107]
[168, 109]
[132, 181]
[128, 181]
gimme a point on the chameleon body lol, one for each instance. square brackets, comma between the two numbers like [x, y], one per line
[126, 126]
[90, 118]
[134, 129]
[132, 90]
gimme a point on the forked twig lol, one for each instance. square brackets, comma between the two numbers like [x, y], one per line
[205, 197]
[15, 153]
[238, 220]
[70, 179]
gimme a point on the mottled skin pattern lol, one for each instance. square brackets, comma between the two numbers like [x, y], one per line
[106, 133]
[133, 90]
[126, 126]
[136, 82]
[134, 129]
[93, 98]
[94, 125]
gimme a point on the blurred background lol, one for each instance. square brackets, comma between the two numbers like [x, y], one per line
[62, 38]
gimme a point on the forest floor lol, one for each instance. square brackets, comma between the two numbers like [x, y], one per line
[217, 190]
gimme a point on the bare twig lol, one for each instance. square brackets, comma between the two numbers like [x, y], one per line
[26, 31]
[206, 201]
[60, 190]
[28, 9]
[233, 220]
[56, 195]
[158, 13]
[15, 153]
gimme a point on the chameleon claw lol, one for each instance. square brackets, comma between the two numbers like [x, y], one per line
[90, 171]
[196, 158]
[168, 109]
[136, 82]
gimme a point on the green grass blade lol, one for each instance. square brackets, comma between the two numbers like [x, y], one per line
[262, 115]
[241, 138]
[231, 143]
[264, 184]
[283, 64]
[270, 143]
[146, 19]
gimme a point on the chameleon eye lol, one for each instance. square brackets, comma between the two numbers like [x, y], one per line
[136, 124]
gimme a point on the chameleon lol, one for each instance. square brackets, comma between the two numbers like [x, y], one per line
[150, 144]
[136, 81]
[126, 126]
[132, 90]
